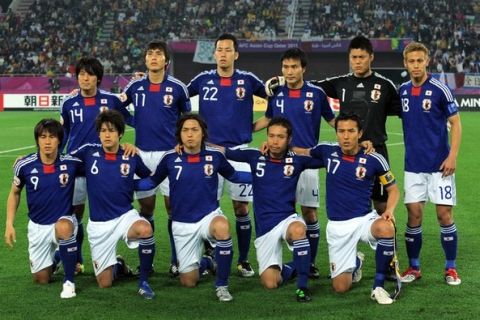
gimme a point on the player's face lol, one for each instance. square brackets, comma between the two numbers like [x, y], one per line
[48, 143]
[348, 136]
[293, 72]
[87, 82]
[277, 141]
[225, 54]
[155, 60]
[360, 62]
[109, 137]
[191, 135]
[416, 63]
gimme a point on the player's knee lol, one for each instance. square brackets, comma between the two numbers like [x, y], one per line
[383, 229]
[103, 284]
[269, 282]
[221, 230]
[144, 230]
[41, 279]
[340, 286]
[297, 231]
[64, 229]
[188, 282]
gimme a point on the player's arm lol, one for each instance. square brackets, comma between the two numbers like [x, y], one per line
[261, 123]
[232, 175]
[240, 155]
[151, 182]
[388, 181]
[301, 151]
[449, 165]
[12, 205]
[122, 108]
[328, 87]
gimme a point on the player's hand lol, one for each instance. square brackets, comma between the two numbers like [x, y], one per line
[263, 148]
[368, 146]
[272, 84]
[179, 149]
[74, 92]
[448, 166]
[123, 97]
[129, 150]
[137, 75]
[388, 216]
[10, 236]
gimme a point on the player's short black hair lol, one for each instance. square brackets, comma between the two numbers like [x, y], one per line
[191, 116]
[159, 44]
[113, 117]
[51, 126]
[92, 66]
[361, 42]
[297, 54]
[228, 36]
[349, 116]
[282, 122]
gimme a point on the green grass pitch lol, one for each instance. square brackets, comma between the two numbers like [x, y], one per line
[429, 298]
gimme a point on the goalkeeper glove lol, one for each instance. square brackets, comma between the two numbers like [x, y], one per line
[272, 84]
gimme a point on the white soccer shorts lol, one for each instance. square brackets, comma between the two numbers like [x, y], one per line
[236, 191]
[420, 187]
[307, 189]
[80, 191]
[151, 159]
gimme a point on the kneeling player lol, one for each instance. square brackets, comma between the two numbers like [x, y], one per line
[110, 186]
[49, 179]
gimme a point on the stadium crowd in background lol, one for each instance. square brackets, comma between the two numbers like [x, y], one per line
[50, 38]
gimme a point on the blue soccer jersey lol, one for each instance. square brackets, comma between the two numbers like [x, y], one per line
[194, 182]
[274, 184]
[157, 109]
[349, 181]
[78, 115]
[305, 108]
[226, 104]
[425, 112]
[110, 184]
[49, 187]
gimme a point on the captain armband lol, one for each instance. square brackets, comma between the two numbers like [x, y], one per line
[387, 178]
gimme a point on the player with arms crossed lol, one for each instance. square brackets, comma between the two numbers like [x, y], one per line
[158, 99]
[110, 186]
[196, 214]
[304, 105]
[226, 104]
[368, 94]
[349, 183]
[77, 114]
[430, 163]
[49, 179]
[275, 177]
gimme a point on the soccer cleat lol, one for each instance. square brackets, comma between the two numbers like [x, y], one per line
[145, 291]
[223, 295]
[313, 272]
[125, 270]
[212, 266]
[451, 277]
[68, 290]
[173, 270]
[411, 275]
[245, 269]
[303, 295]
[79, 268]
[357, 274]
[381, 296]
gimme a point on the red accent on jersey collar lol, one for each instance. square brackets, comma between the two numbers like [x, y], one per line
[154, 87]
[195, 158]
[48, 168]
[89, 102]
[110, 156]
[294, 93]
[416, 91]
[348, 158]
[225, 82]
[275, 160]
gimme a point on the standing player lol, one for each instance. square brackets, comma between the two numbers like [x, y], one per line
[304, 105]
[369, 95]
[349, 182]
[110, 186]
[159, 99]
[427, 107]
[193, 175]
[77, 114]
[49, 179]
[226, 104]
[275, 177]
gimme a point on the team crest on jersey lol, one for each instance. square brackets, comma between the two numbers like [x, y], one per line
[426, 104]
[16, 181]
[63, 177]
[103, 108]
[241, 82]
[168, 89]
[308, 105]
[63, 167]
[124, 169]
[377, 86]
[375, 94]
[168, 99]
[288, 170]
[208, 169]
[360, 172]
[240, 91]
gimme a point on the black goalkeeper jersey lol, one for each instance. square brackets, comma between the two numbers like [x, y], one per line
[372, 98]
